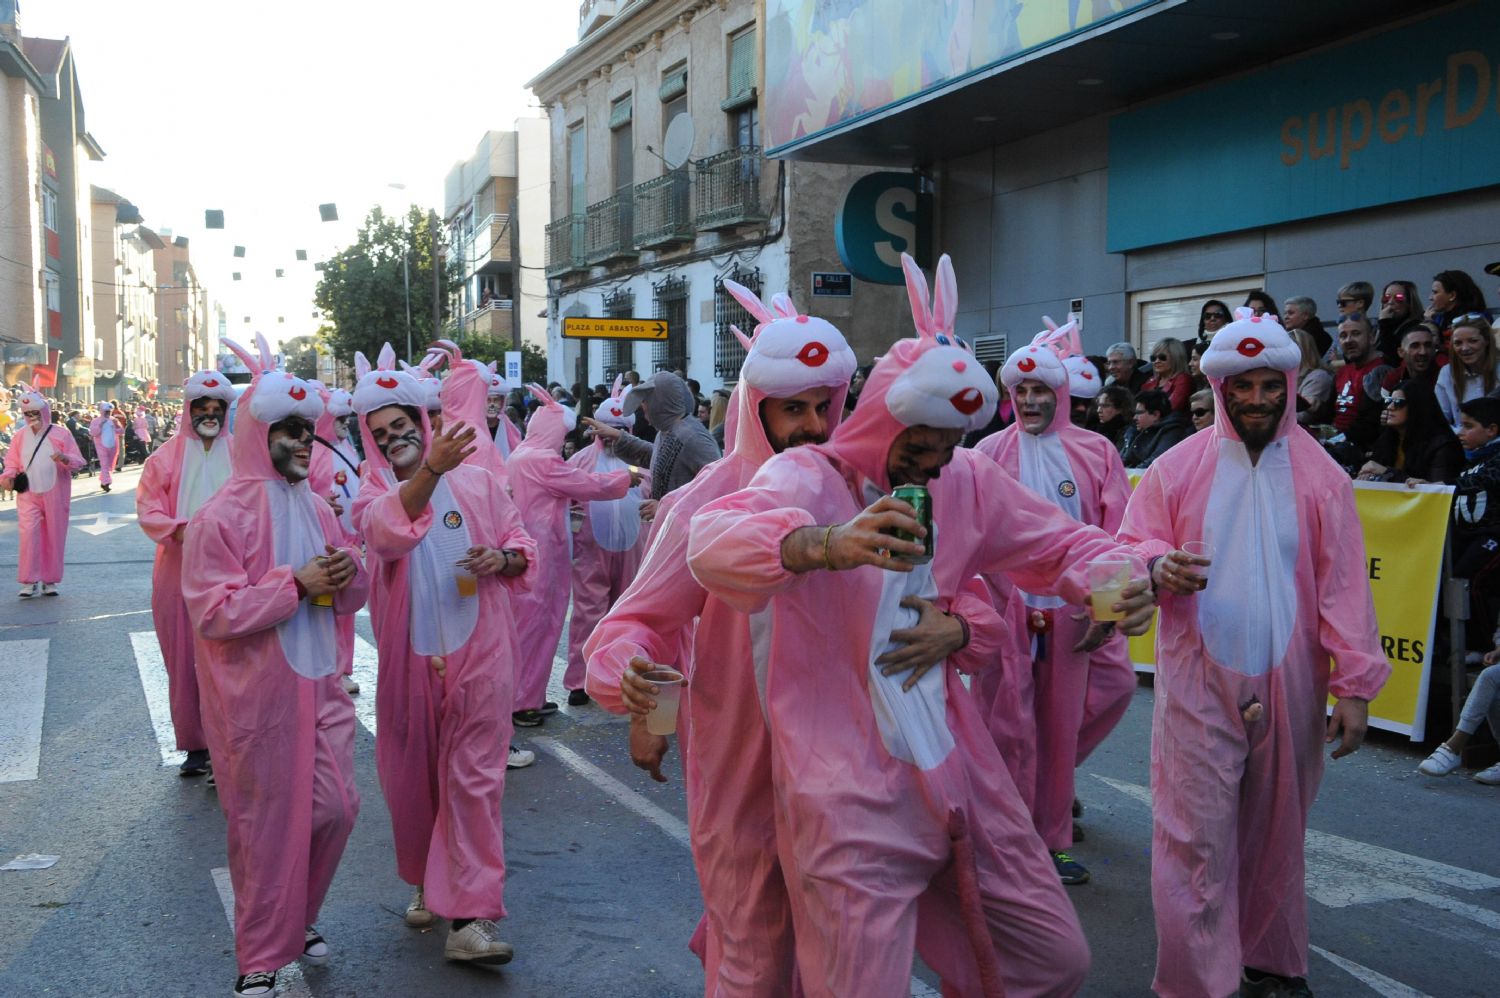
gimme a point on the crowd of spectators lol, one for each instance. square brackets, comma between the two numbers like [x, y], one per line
[158, 419]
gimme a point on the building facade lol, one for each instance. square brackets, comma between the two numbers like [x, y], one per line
[125, 331]
[660, 192]
[1130, 161]
[182, 318]
[495, 207]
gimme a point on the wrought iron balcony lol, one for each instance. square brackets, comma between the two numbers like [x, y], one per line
[565, 245]
[663, 211]
[729, 189]
[608, 235]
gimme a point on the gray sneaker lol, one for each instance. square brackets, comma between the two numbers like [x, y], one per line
[478, 942]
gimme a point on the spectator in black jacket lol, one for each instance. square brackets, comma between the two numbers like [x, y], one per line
[1476, 512]
[1158, 427]
[1415, 445]
[1113, 410]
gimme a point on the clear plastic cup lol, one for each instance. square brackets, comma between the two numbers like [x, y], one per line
[662, 719]
[1108, 577]
[468, 585]
[1198, 549]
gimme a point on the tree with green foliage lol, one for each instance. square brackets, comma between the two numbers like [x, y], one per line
[362, 293]
[301, 353]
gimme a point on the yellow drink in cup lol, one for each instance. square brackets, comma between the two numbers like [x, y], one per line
[468, 586]
[663, 717]
[1108, 578]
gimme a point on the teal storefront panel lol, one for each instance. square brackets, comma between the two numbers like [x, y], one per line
[1410, 113]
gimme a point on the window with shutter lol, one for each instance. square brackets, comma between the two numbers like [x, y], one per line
[741, 71]
[673, 84]
[619, 113]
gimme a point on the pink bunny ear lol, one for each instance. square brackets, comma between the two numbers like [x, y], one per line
[1243, 312]
[361, 365]
[408, 368]
[240, 352]
[620, 381]
[1047, 321]
[267, 358]
[783, 305]
[387, 359]
[750, 300]
[945, 297]
[26, 388]
[745, 341]
[494, 367]
[916, 290]
[541, 395]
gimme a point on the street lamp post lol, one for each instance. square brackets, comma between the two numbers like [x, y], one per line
[406, 282]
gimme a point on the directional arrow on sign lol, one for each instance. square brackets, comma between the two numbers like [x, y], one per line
[105, 522]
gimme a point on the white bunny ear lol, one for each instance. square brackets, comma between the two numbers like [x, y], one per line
[916, 290]
[408, 368]
[238, 351]
[1047, 321]
[750, 300]
[541, 395]
[745, 341]
[361, 365]
[782, 304]
[387, 359]
[620, 383]
[494, 367]
[267, 358]
[945, 297]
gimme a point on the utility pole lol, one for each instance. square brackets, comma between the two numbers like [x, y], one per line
[406, 283]
[437, 277]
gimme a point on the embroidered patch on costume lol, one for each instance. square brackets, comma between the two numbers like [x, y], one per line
[339, 478]
[453, 519]
[1067, 489]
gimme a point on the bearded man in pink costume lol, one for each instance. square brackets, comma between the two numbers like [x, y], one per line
[48, 456]
[271, 596]
[447, 549]
[1076, 679]
[1242, 675]
[501, 430]
[336, 468]
[107, 439]
[543, 485]
[175, 483]
[607, 545]
[898, 826]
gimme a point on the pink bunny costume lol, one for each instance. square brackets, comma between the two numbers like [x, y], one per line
[441, 742]
[279, 725]
[463, 397]
[176, 481]
[41, 512]
[1286, 593]
[543, 484]
[748, 948]
[106, 441]
[336, 469]
[1075, 699]
[898, 825]
[608, 545]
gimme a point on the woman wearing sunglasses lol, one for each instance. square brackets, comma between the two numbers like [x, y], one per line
[1213, 317]
[1399, 304]
[1415, 445]
[1473, 364]
[1169, 366]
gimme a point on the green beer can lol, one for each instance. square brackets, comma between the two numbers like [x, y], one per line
[919, 499]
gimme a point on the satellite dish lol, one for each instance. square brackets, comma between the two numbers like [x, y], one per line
[677, 147]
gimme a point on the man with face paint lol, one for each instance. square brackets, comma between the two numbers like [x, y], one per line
[107, 440]
[177, 480]
[336, 468]
[49, 457]
[447, 552]
[271, 595]
[1077, 680]
[1243, 669]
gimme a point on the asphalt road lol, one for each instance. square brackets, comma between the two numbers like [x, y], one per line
[1404, 870]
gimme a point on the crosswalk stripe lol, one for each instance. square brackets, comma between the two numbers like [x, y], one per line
[153, 671]
[289, 979]
[23, 700]
[1378, 982]
[366, 667]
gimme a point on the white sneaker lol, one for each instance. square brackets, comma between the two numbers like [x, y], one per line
[1489, 776]
[1442, 762]
[519, 758]
[314, 951]
[30, 589]
[417, 915]
[478, 942]
[351, 685]
[48, 589]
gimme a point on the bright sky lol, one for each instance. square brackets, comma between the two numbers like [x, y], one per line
[266, 110]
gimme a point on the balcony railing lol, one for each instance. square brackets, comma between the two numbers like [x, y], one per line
[489, 242]
[565, 245]
[729, 189]
[608, 235]
[663, 211]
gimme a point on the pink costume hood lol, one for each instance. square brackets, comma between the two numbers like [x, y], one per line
[1249, 342]
[549, 424]
[273, 395]
[379, 387]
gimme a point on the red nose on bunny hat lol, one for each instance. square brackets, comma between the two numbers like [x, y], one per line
[787, 353]
[340, 403]
[208, 384]
[32, 400]
[1251, 341]
[1039, 360]
[384, 384]
[1083, 377]
[611, 411]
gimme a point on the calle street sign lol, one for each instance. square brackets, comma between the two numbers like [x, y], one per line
[590, 328]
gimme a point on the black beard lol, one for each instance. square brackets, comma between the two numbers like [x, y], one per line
[1253, 439]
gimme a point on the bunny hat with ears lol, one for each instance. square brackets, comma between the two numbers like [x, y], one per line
[932, 380]
[273, 395]
[209, 384]
[785, 355]
[32, 400]
[1083, 377]
[549, 424]
[1249, 342]
[381, 386]
[431, 385]
[1042, 359]
[611, 411]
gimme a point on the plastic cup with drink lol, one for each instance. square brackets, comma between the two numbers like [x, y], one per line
[662, 719]
[1199, 569]
[1108, 576]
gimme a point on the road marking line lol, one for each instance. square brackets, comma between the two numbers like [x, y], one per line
[23, 701]
[366, 668]
[289, 979]
[153, 671]
[674, 826]
[1378, 982]
[921, 989]
[105, 522]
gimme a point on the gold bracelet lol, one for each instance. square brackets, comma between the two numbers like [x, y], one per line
[827, 534]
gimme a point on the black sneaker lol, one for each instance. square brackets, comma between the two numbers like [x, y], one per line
[262, 982]
[314, 948]
[1264, 984]
[1077, 808]
[550, 707]
[1069, 869]
[1296, 987]
[578, 698]
[196, 763]
[526, 718]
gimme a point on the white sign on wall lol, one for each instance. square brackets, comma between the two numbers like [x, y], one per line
[513, 366]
